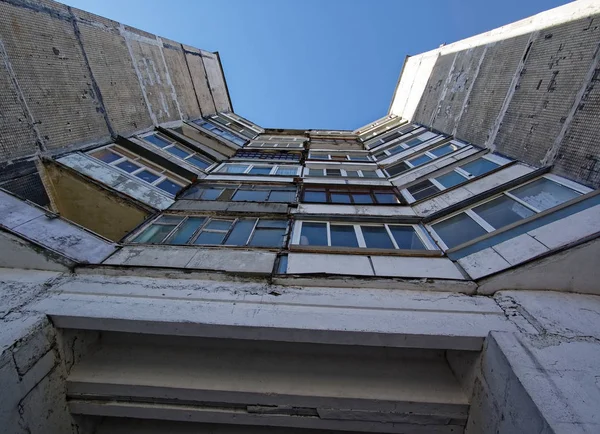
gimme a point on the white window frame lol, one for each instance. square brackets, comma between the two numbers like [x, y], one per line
[274, 168]
[344, 173]
[176, 144]
[231, 121]
[327, 155]
[218, 136]
[376, 141]
[500, 161]
[461, 146]
[489, 228]
[403, 145]
[201, 229]
[140, 161]
[421, 233]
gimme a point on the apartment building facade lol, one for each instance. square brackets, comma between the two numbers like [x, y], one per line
[182, 269]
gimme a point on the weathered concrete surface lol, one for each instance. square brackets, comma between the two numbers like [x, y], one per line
[543, 380]
[526, 90]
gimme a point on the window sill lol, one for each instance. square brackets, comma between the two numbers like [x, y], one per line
[365, 251]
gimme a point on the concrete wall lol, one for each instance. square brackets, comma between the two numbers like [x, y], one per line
[68, 77]
[526, 90]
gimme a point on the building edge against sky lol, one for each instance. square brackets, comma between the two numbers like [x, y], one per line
[170, 266]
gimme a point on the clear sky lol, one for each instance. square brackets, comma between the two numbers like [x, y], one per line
[330, 64]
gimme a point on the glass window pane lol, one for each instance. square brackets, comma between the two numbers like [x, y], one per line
[315, 196]
[458, 229]
[316, 172]
[413, 142]
[343, 236]
[362, 198]
[287, 171]
[251, 195]
[395, 150]
[407, 238]
[376, 237]
[240, 233]
[334, 172]
[397, 169]
[369, 174]
[154, 234]
[198, 162]
[380, 155]
[234, 168]
[147, 176]
[169, 219]
[262, 223]
[502, 211]
[352, 173]
[359, 158]
[422, 190]
[450, 179]
[169, 186]
[210, 238]
[211, 193]
[386, 198]
[282, 196]
[479, 167]
[260, 170]
[105, 155]
[313, 234]
[128, 166]
[178, 152]
[544, 194]
[443, 150]
[156, 140]
[339, 197]
[420, 160]
[220, 225]
[186, 230]
[267, 238]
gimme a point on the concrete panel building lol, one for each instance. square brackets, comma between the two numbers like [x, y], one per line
[167, 265]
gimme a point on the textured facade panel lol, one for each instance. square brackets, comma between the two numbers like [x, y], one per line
[579, 154]
[153, 76]
[51, 71]
[198, 74]
[554, 71]
[113, 70]
[463, 74]
[180, 76]
[29, 187]
[17, 136]
[216, 81]
[490, 88]
[428, 104]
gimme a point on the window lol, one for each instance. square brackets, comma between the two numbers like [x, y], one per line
[220, 132]
[234, 125]
[508, 208]
[336, 194]
[424, 158]
[457, 176]
[411, 143]
[387, 137]
[364, 173]
[204, 230]
[268, 155]
[259, 169]
[322, 155]
[139, 167]
[177, 150]
[361, 235]
[241, 193]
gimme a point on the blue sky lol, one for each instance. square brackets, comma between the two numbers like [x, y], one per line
[329, 64]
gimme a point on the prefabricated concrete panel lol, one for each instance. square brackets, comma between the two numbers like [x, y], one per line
[460, 81]
[181, 79]
[200, 80]
[554, 71]
[303, 263]
[490, 88]
[438, 268]
[578, 157]
[428, 105]
[114, 72]
[17, 136]
[52, 73]
[152, 74]
[216, 81]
